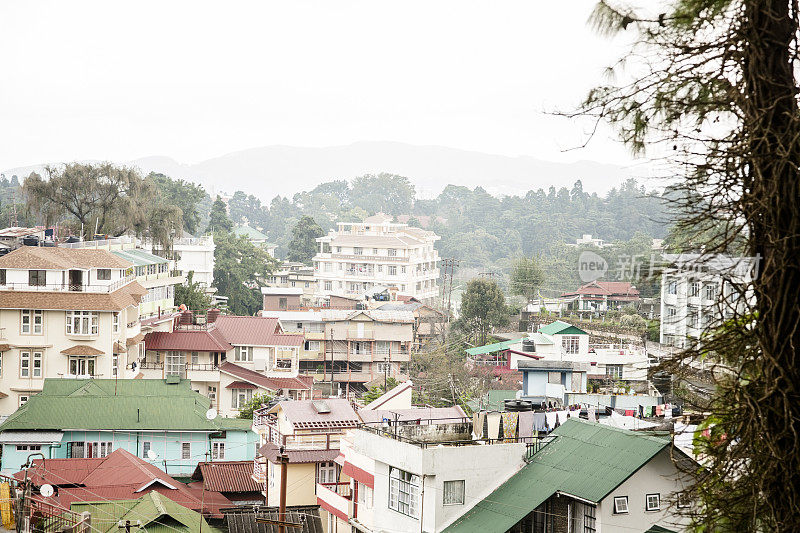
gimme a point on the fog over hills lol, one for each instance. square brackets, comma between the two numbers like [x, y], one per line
[284, 170]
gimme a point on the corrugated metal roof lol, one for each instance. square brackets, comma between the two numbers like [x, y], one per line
[61, 258]
[243, 520]
[266, 382]
[585, 460]
[271, 451]
[157, 513]
[106, 404]
[194, 340]
[302, 414]
[139, 257]
[255, 331]
[559, 327]
[227, 476]
[494, 347]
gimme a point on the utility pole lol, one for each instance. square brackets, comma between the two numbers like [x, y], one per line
[284, 459]
[448, 267]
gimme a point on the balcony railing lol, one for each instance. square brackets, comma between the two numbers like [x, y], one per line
[68, 287]
[360, 334]
[343, 489]
[151, 365]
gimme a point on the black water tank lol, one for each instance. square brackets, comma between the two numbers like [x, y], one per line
[73, 238]
[528, 346]
[30, 240]
[518, 405]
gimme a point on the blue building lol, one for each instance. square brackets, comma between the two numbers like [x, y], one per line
[161, 421]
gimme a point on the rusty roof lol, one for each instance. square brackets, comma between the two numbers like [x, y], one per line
[61, 258]
[82, 349]
[271, 451]
[243, 519]
[265, 382]
[255, 331]
[126, 296]
[227, 476]
[190, 340]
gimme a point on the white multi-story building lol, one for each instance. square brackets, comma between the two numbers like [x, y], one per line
[357, 258]
[698, 292]
[192, 254]
[64, 313]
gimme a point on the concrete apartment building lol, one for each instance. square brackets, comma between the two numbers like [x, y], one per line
[698, 292]
[64, 313]
[192, 254]
[297, 277]
[351, 348]
[358, 257]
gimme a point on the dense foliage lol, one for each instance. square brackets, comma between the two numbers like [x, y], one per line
[303, 245]
[483, 308]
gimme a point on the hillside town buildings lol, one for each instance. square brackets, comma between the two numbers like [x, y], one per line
[357, 258]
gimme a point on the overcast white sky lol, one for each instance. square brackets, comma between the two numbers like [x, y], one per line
[194, 80]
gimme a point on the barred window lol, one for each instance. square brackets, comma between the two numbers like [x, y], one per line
[404, 492]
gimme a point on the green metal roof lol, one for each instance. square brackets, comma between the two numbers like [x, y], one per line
[585, 459]
[561, 328]
[107, 404]
[538, 338]
[250, 233]
[495, 347]
[139, 257]
[658, 529]
[158, 514]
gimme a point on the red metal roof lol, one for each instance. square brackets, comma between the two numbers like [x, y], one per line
[119, 476]
[265, 382]
[227, 476]
[607, 288]
[270, 452]
[256, 331]
[241, 385]
[196, 340]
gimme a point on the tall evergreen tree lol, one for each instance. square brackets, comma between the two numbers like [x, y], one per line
[303, 245]
[219, 221]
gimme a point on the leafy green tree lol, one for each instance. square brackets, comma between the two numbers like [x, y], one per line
[239, 270]
[527, 277]
[191, 294]
[303, 245]
[182, 194]
[376, 391]
[483, 308]
[246, 411]
[111, 198]
[218, 220]
[389, 193]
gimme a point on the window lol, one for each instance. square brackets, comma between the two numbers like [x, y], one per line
[104, 274]
[28, 447]
[311, 346]
[283, 303]
[358, 251]
[402, 270]
[392, 252]
[684, 500]
[453, 493]
[403, 492]
[392, 270]
[36, 278]
[671, 312]
[694, 289]
[328, 286]
[145, 448]
[672, 287]
[83, 322]
[283, 363]
[218, 450]
[186, 450]
[115, 322]
[81, 366]
[327, 472]
[23, 399]
[105, 449]
[174, 364]
[620, 504]
[653, 502]
[30, 364]
[241, 397]
[152, 269]
[32, 321]
[212, 394]
[614, 371]
[710, 292]
[195, 358]
[243, 353]
[589, 520]
[374, 251]
[384, 368]
[114, 365]
[2, 276]
[570, 344]
[364, 495]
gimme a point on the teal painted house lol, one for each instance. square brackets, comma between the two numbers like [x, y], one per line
[161, 421]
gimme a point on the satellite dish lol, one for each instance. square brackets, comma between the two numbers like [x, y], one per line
[211, 414]
[519, 395]
[151, 454]
[46, 490]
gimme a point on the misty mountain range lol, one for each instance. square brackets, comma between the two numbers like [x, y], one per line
[284, 170]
